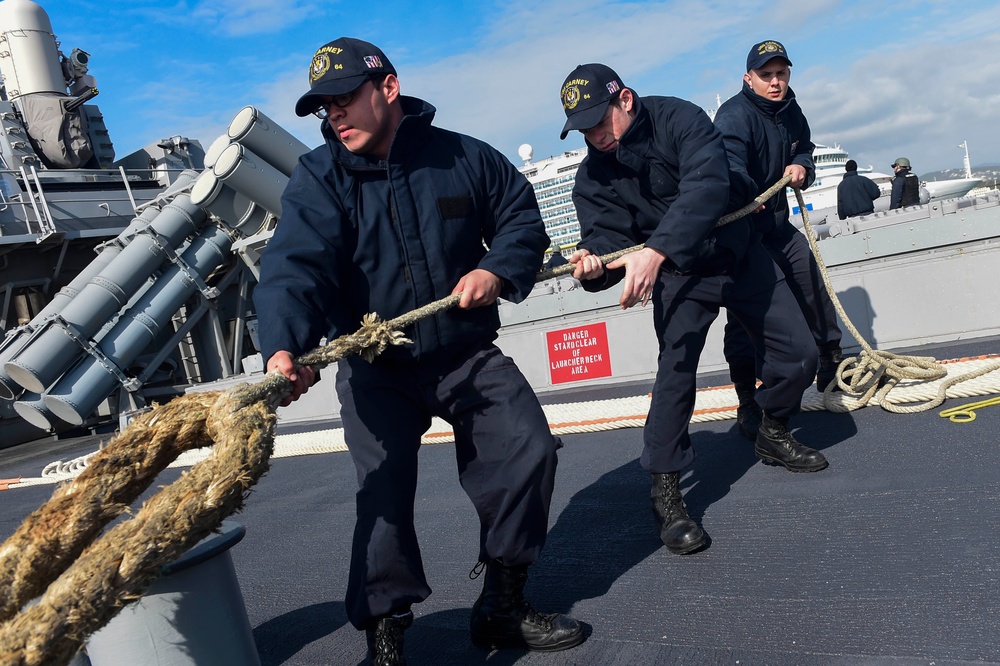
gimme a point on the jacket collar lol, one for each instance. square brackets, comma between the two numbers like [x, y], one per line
[638, 130]
[417, 118]
[767, 106]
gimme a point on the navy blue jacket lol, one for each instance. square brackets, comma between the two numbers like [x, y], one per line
[856, 195]
[905, 189]
[763, 137]
[360, 235]
[666, 185]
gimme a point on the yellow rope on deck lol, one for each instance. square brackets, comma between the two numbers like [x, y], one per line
[967, 413]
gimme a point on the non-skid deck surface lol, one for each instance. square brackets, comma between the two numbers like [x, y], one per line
[890, 556]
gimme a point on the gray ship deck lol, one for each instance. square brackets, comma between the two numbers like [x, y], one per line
[888, 557]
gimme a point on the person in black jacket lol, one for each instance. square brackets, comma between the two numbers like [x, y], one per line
[905, 185]
[767, 137]
[856, 194]
[389, 214]
[656, 173]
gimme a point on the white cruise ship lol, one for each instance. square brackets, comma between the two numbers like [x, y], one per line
[830, 162]
[552, 180]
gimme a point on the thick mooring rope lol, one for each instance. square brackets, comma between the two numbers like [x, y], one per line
[83, 584]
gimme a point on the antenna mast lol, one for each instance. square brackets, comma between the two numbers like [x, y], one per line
[968, 165]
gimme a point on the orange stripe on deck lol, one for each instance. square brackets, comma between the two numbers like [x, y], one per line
[5, 484]
[590, 422]
[714, 410]
[983, 357]
[613, 419]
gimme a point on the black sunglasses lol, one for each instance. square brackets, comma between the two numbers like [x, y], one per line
[343, 101]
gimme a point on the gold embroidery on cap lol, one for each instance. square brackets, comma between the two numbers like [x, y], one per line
[769, 47]
[570, 93]
[320, 66]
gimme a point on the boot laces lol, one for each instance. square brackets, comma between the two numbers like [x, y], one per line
[386, 648]
[674, 512]
[532, 616]
[669, 502]
[781, 436]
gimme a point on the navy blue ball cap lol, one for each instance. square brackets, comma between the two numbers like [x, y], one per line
[339, 67]
[585, 95]
[764, 51]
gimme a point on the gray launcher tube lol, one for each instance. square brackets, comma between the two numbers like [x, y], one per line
[9, 389]
[81, 390]
[214, 150]
[236, 210]
[143, 220]
[32, 409]
[40, 363]
[266, 138]
[251, 176]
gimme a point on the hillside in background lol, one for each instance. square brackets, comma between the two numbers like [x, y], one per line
[988, 173]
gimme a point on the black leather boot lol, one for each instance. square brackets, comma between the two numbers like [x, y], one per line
[748, 414]
[678, 532]
[385, 640]
[776, 446]
[829, 361]
[503, 618]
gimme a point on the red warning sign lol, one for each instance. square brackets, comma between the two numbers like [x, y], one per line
[578, 353]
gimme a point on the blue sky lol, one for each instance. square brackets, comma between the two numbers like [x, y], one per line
[883, 80]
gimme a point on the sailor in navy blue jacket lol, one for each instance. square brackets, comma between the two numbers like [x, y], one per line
[763, 137]
[767, 137]
[390, 214]
[359, 235]
[643, 192]
[856, 194]
[656, 173]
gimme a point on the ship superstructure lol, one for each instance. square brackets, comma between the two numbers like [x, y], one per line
[122, 281]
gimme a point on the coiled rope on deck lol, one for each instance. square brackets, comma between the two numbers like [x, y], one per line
[873, 374]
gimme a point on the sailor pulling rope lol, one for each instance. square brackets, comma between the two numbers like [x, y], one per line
[83, 584]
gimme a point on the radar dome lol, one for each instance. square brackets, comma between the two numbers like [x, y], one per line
[525, 151]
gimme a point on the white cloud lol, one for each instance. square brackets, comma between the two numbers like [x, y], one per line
[920, 101]
[252, 17]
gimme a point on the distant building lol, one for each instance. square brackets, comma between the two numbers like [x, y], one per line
[552, 180]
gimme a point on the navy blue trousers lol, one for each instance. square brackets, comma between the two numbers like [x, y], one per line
[790, 250]
[506, 464]
[684, 307]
